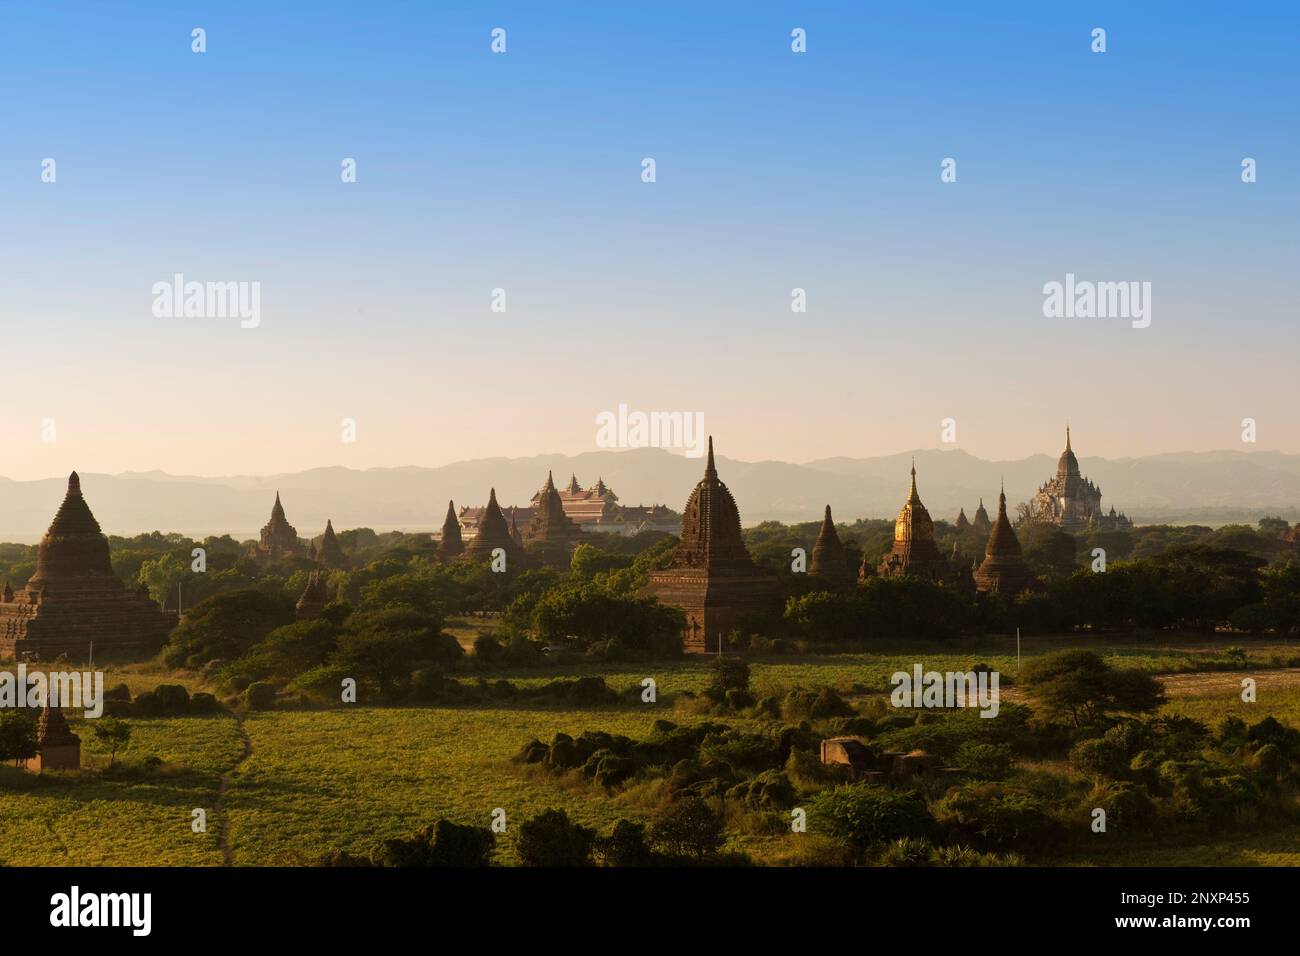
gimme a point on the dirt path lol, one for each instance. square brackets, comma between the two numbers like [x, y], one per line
[223, 818]
[1204, 682]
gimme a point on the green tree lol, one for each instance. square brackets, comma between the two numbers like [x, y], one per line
[161, 577]
[114, 734]
[224, 626]
[386, 645]
[1080, 687]
[17, 736]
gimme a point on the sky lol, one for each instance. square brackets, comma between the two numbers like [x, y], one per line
[523, 171]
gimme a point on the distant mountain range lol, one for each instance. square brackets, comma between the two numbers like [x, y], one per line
[1185, 487]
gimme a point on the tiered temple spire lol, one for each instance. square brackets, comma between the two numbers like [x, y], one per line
[313, 599]
[58, 748]
[551, 536]
[451, 546]
[1003, 568]
[711, 576]
[914, 551]
[829, 563]
[74, 598]
[493, 533]
[330, 553]
[278, 539]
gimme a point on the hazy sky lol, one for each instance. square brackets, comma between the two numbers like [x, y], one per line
[523, 171]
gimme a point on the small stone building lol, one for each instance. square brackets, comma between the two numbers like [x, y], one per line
[58, 748]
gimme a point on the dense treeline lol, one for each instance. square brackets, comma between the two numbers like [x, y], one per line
[389, 612]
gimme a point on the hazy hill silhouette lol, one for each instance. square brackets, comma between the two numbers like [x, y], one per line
[1204, 487]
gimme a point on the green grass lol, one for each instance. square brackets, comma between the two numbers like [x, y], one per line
[91, 819]
[346, 778]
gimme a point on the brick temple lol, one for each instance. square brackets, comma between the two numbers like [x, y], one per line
[74, 599]
[57, 747]
[279, 540]
[551, 536]
[593, 510]
[451, 545]
[1072, 502]
[329, 553]
[315, 595]
[494, 533]
[830, 564]
[711, 575]
[1003, 568]
[914, 551]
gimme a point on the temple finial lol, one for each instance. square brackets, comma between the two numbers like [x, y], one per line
[710, 470]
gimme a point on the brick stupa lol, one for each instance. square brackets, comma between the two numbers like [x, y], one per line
[313, 599]
[74, 599]
[452, 545]
[57, 747]
[1003, 568]
[329, 552]
[711, 575]
[493, 533]
[830, 565]
[551, 535]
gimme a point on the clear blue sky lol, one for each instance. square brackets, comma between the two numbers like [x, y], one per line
[522, 171]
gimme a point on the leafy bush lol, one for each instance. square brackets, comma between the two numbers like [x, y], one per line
[907, 851]
[550, 839]
[865, 815]
[1100, 757]
[689, 828]
[488, 649]
[770, 790]
[625, 846]
[259, 696]
[1127, 807]
[456, 845]
[991, 816]
[987, 761]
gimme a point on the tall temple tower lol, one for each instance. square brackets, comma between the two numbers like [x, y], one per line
[982, 526]
[451, 546]
[279, 539]
[830, 564]
[711, 575]
[313, 599]
[330, 553]
[1071, 501]
[74, 599]
[493, 533]
[1003, 568]
[914, 551]
[551, 536]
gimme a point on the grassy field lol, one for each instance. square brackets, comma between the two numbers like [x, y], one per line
[284, 786]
